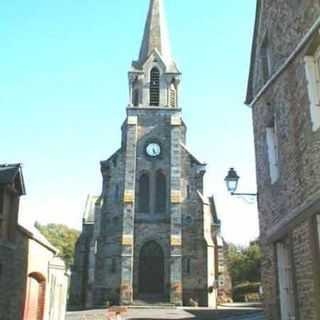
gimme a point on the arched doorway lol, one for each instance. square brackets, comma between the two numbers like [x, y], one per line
[35, 297]
[151, 269]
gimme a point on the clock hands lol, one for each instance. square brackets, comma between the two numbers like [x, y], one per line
[153, 149]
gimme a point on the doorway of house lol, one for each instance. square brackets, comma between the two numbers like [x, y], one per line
[151, 270]
[35, 297]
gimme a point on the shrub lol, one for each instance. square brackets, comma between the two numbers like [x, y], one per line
[246, 291]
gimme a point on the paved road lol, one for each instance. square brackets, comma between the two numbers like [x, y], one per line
[234, 313]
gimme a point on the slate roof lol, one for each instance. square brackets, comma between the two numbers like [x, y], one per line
[156, 36]
[9, 173]
[89, 211]
[33, 233]
[194, 158]
[250, 93]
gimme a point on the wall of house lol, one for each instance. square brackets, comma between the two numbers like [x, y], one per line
[49, 270]
[13, 277]
[283, 24]
[286, 102]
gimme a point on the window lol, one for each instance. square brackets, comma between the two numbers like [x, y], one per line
[161, 191]
[144, 193]
[187, 265]
[188, 221]
[95, 247]
[135, 97]
[273, 152]
[116, 193]
[188, 192]
[113, 265]
[265, 57]
[312, 65]
[116, 220]
[1, 201]
[114, 161]
[155, 87]
[172, 96]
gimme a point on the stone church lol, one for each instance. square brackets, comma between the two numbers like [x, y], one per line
[152, 233]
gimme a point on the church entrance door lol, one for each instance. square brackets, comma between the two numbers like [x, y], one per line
[151, 269]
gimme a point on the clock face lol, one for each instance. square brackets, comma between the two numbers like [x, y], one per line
[153, 150]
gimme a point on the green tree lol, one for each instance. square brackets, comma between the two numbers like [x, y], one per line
[62, 237]
[245, 263]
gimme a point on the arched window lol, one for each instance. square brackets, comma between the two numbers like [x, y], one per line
[113, 268]
[144, 193]
[116, 193]
[187, 265]
[188, 192]
[135, 97]
[172, 96]
[161, 192]
[155, 87]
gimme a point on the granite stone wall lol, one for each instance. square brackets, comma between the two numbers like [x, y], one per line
[283, 205]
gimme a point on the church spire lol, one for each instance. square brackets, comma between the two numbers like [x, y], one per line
[156, 35]
[154, 79]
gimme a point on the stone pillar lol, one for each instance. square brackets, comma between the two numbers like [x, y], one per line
[126, 286]
[176, 214]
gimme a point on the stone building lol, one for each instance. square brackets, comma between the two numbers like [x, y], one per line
[224, 276]
[154, 231]
[83, 269]
[33, 284]
[284, 94]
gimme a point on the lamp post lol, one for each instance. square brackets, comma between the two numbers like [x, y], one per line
[232, 180]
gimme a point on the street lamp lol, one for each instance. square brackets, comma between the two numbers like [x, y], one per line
[232, 180]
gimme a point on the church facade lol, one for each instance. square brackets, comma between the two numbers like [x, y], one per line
[152, 233]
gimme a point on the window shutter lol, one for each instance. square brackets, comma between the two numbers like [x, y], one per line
[313, 85]
[272, 153]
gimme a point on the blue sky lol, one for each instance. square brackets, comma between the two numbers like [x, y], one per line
[64, 91]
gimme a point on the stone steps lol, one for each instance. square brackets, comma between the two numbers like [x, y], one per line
[152, 306]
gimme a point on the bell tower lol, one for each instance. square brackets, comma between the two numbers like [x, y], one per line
[152, 135]
[154, 78]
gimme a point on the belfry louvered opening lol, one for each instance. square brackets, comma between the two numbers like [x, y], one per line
[155, 87]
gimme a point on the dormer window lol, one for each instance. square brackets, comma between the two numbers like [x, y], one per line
[154, 87]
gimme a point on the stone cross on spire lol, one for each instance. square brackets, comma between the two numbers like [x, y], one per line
[156, 34]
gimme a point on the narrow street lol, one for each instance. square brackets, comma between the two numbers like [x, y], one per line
[235, 312]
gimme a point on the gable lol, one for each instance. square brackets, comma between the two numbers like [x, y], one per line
[12, 175]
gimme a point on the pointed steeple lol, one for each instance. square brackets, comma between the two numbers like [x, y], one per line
[156, 35]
